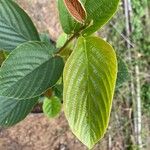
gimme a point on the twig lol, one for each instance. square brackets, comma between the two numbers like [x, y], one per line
[67, 42]
[75, 35]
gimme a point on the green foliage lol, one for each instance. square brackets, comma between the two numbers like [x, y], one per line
[91, 72]
[98, 13]
[44, 37]
[15, 26]
[145, 94]
[58, 90]
[68, 23]
[61, 40]
[141, 38]
[51, 107]
[36, 65]
[13, 110]
[2, 57]
[20, 80]
[140, 26]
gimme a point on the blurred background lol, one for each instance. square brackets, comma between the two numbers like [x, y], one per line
[129, 127]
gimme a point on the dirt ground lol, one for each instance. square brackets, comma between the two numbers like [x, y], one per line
[37, 132]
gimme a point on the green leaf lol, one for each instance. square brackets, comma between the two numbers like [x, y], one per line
[99, 12]
[14, 110]
[52, 107]
[68, 23]
[45, 38]
[123, 73]
[67, 50]
[89, 82]
[15, 26]
[29, 70]
[61, 40]
[58, 90]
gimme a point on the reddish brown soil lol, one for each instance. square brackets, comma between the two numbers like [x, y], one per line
[37, 132]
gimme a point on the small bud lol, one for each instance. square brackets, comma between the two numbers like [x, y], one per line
[76, 9]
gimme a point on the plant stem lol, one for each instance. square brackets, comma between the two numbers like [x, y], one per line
[67, 42]
[75, 35]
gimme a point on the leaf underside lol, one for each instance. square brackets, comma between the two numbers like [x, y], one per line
[76, 10]
[89, 82]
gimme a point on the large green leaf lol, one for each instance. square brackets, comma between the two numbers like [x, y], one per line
[98, 13]
[29, 70]
[89, 82]
[14, 110]
[15, 26]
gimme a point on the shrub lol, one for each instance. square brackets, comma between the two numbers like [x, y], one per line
[81, 66]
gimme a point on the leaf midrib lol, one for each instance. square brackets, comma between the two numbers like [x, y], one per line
[88, 85]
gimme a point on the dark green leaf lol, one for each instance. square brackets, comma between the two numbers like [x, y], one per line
[45, 38]
[15, 26]
[58, 90]
[14, 110]
[29, 70]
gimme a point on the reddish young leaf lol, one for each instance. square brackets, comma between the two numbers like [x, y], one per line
[76, 10]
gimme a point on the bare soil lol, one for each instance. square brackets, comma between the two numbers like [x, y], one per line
[37, 132]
